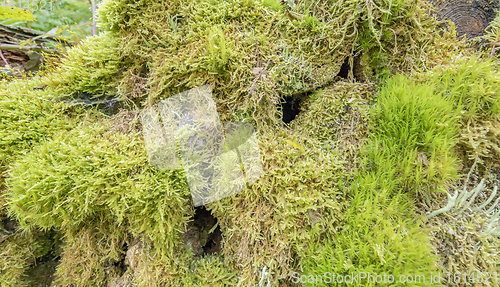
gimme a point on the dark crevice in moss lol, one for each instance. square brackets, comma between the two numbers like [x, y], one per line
[344, 69]
[290, 108]
[42, 271]
[8, 224]
[109, 105]
[199, 236]
[214, 243]
[122, 265]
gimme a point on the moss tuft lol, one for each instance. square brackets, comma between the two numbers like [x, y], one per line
[473, 85]
[93, 67]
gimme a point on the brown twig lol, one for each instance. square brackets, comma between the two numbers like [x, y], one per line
[492, 52]
[493, 48]
[20, 207]
[84, 24]
[4, 60]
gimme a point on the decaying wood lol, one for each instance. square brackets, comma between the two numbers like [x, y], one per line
[471, 17]
[21, 55]
[15, 35]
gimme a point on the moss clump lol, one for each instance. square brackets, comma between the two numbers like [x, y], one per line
[337, 116]
[409, 42]
[410, 149]
[413, 138]
[92, 177]
[473, 85]
[29, 116]
[253, 53]
[92, 255]
[92, 171]
[211, 271]
[376, 239]
[270, 224]
[145, 267]
[83, 178]
[463, 247]
[93, 67]
[300, 197]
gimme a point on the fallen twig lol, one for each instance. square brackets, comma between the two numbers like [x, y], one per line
[4, 60]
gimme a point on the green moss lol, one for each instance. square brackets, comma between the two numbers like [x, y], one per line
[91, 254]
[92, 171]
[460, 240]
[405, 39]
[320, 202]
[221, 43]
[275, 5]
[375, 240]
[473, 85]
[19, 252]
[410, 150]
[210, 271]
[93, 67]
[29, 116]
[269, 224]
[338, 117]
[413, 136]
[89, 179]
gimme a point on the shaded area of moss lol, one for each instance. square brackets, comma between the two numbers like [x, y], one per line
[21, 253]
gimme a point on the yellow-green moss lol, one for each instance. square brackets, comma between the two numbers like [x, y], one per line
[473, 85]
[338, 117]
[82, 174]
[92, 254]
[93, 171]
[29, 116]
[410, 150]
[93, 67]
[267, 225]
